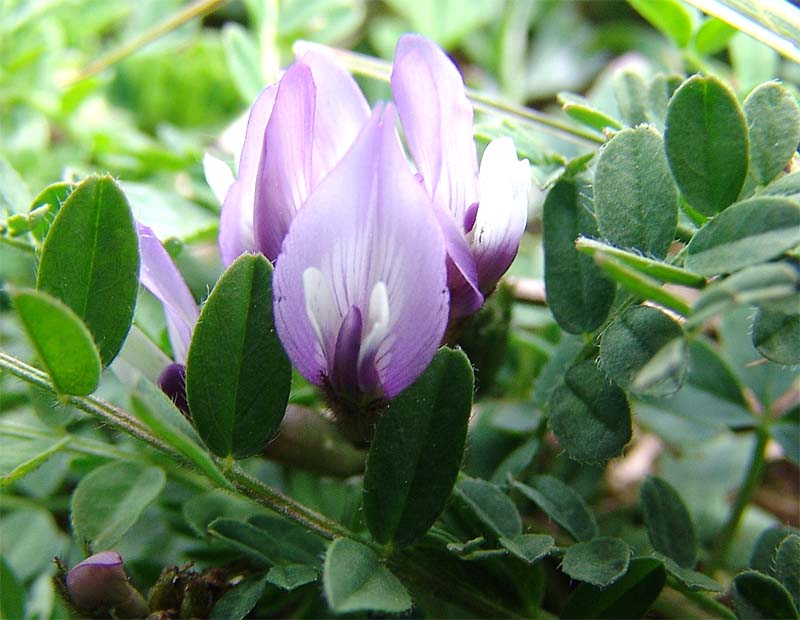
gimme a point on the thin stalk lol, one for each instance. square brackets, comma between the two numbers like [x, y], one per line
[99, 408]
[702, 600]
[752, 478]
[187, 14]
[122, 420]
[765, 33]
[18, 243]
[378, 69]
[254, 490]
[287, 506]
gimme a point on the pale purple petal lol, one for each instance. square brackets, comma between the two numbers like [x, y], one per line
[236, 222]
[318, 112]
[369, 230]
[284, 175]
[161, 277]
[437, 121]
[341, 112]
[505, 184]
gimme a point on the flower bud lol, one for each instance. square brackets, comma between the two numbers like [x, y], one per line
[172, 382]
[101, 583]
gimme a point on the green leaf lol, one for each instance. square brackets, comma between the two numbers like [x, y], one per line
[237, 375]
[242, 56]
[237, 602]
[776, 335]
[786, 186]
[628, 597]
[97, 276]
[29, 539]
[766, 548]
[659, 91]
[292, 576]
[757, 596]
[787, 566]
[748, 233]
[589, 416]
[200, 511]
[62, 342]
[648, 266]
[631, 342]
[787, 434]
[51, 197]
[690, 578]
[529, 548]
[582, 110]
[600, 561]
[417, 451]
[14, 194]
[706, 142]
[355, 580]
[562, 504]
[20, 457]
[110, 500]
[494, 514]
[635, 198]
[713, 36]
[156, 410]
[768, 284]
[578, 294]
[12, 593]
[773, 117]
[669, 524]
[668, 16]
[631, 94]
[271, 540]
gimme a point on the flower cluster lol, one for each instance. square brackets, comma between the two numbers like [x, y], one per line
[372, 258]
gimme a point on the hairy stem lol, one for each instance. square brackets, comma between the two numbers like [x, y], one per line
[745, 494]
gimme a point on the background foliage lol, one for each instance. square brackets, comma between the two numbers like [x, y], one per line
[634, 441]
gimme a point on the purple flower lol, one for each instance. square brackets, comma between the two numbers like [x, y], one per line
[483, 212]
[161, 277]
[298, 130]
[360, 291]
[100, 583]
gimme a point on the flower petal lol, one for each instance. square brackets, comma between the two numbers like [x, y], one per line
[339, 116]
[505, 185]
[160, 276]
[236, 222]
[218, 176]
[437, 121]
[284, 174]
[318, 112]
[367, 226]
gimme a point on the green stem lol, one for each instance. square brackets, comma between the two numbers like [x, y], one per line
[112, 415]
[290, 508]
[702, 600]
[752, 478]
[378, 69]
[18, 244]
[252, 489]
[198, 9]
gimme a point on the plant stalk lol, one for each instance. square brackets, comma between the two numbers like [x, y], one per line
[200, 8]
[743, 497]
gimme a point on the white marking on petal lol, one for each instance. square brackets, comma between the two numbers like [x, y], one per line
[218, 176]
[321, 309]
[377, 322]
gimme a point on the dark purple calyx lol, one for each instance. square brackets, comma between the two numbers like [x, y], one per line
[172, 382]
